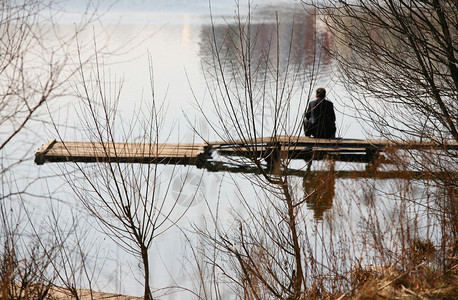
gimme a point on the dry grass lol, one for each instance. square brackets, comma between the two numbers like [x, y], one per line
[59, 293]
[390, 282]
[39, 291]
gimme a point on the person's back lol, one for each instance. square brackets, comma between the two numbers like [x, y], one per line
[320, 117]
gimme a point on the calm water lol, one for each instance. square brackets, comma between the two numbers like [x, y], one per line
[172, 37]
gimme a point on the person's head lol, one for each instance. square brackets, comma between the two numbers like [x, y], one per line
[320, 93]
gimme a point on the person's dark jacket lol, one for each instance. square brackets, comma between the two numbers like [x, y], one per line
[320, 119]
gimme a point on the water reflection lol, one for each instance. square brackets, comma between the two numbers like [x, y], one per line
[320, 189]
[297, 41]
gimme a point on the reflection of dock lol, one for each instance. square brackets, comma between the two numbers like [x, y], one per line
[270, 151]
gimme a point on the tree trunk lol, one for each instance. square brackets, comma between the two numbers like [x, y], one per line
[297, 276]
[147, 293]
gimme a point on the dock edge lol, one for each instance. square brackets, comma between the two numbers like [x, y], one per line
[40, 153]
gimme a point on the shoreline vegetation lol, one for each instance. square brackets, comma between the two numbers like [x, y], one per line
[62, 293]
[370, 282]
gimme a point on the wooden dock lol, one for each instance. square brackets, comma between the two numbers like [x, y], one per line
[306, 148]
[269, 149]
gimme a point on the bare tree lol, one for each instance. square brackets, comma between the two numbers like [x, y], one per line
[268, 248]
[36, 68]
[399, 58]
[133, 203]
[259, 79]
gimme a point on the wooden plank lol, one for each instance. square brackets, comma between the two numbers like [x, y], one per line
[120, 152]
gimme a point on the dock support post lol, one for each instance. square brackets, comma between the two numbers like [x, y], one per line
[274, 160]
[203, 156]
[40, 153]
[372, 159]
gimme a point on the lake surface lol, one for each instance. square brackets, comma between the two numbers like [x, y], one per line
[172, 38]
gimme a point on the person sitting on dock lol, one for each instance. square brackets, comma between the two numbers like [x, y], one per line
[320, 118]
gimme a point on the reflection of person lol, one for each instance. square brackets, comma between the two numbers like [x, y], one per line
[320, 119]
[319, 188]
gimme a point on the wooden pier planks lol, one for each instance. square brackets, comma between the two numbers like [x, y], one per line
[295, 147]
[55, 151]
